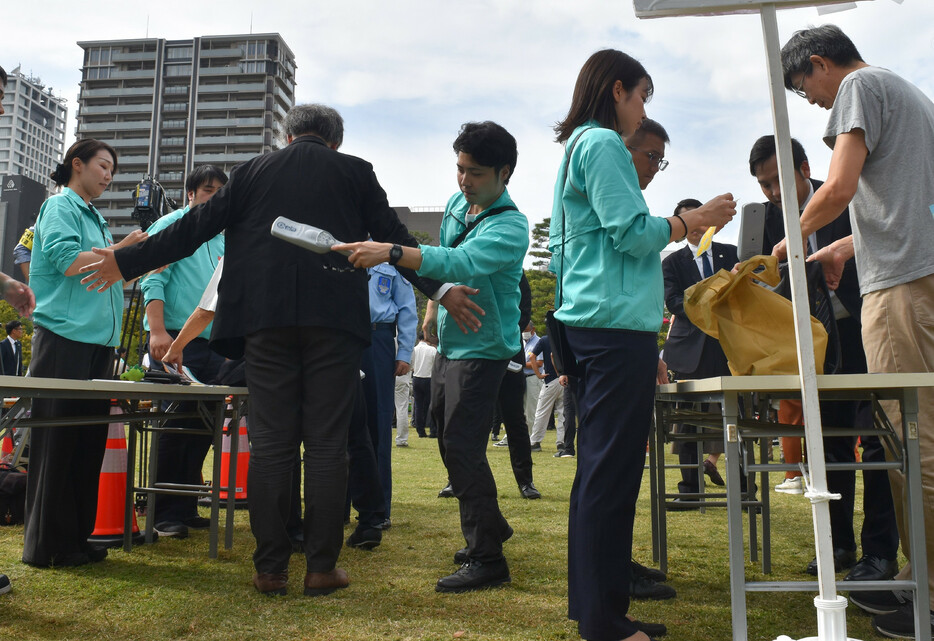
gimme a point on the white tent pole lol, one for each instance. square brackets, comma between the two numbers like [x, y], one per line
[817, 487]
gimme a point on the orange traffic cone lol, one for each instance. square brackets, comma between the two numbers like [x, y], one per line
[111, 494]
[243, 463]
[6, 445]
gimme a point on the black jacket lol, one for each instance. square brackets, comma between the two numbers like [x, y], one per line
[268, 282]
[685, 342]
[848, 290]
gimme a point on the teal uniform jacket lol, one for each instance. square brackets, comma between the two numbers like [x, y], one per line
[180, 285]
[489, 259]
[612, 271]
[66, 227]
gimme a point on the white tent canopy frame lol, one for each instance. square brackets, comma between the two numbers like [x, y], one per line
[831, 614]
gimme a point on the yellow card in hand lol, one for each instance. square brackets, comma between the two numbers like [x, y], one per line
[704, 243]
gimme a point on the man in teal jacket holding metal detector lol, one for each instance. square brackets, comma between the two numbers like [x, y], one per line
[484, 239]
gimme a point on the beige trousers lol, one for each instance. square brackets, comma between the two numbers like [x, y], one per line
[898, 336]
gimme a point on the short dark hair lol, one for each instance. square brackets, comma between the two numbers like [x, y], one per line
[84, 150]
[648, 127]
[13, 324]
[3, 77]
[826, 41]
[764, 148]
[693, 203]
[593, 91]
[489, 144]
[204, 174]
[320, 120]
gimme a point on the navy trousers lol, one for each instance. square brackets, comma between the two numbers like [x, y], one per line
[379, 386]
[615, 399]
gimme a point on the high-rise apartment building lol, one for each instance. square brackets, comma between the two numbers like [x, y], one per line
[32, 131]
[168, 106]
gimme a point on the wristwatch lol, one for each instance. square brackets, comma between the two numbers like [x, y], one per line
[395, 254]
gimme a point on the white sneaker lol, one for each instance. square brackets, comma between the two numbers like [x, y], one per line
[791, 486]
[503, 443]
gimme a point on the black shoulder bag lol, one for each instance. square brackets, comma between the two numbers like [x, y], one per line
[561, 354]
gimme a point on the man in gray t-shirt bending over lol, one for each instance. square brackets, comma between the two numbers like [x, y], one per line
[881, 130]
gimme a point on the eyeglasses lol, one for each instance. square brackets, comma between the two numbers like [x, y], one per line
[799, 90]
[653, 157]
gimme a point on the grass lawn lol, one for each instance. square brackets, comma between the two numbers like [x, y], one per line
[172, 590]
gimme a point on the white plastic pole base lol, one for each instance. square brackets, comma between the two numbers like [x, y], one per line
[831, 621]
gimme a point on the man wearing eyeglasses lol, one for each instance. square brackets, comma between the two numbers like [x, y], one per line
[881, 130]
[647, 146]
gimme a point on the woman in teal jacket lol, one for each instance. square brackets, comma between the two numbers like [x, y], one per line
[606, 249]
[76, 332]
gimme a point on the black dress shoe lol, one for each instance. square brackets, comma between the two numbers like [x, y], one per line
[643, 588]
[447, 492]
[710, 469]
[175, 529]
[680, 505]
[872, 568]
[474, 575]
[461, 556]
[198, 523]
[651, 629]
[96, 554]
[842, 560]
[649, 573]
[530, 492]
[881, 601]
[365, 538]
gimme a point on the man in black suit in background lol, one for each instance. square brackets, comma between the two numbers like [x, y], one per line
[689, 352]
[302, 321]
[879, 534]
[11, 350]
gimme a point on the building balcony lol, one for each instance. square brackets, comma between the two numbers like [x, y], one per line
[136, 73]
[129, 142]
[231, 104]
[231, 52]
[229, 122]
[204, 141]
[132, 56]
[133, 160]
[239, 88]
[114, 126]
[221, 159]
[233, 70]
[115, 109]
[116, 93]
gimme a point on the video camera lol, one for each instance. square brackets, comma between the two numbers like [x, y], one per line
[152, 203]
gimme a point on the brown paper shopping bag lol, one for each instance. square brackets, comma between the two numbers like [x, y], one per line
[755, 326]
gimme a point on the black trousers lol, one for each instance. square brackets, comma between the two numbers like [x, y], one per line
[463, 393]
[570, 414]
[616, 399]
[363, 487]
[421, 399]
[379, 386]
[511, 410]
[303, 383]
[64, 463]
[181, 456]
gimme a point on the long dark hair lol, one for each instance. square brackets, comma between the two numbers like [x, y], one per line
[593, 91]
[84, 150]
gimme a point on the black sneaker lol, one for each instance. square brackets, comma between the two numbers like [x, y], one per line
[649, 573]
[5, 584]
[881, 601]
[171, 529]
[447, 492]
[643, 588]
[899, 624]
[567, 453]
[474, 575]
[536, 447]
[365, 538]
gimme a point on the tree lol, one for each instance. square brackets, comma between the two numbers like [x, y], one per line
[542, 284]
[7, 314]
[539, 249]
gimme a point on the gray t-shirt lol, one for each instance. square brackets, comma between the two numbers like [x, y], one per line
[892, 213]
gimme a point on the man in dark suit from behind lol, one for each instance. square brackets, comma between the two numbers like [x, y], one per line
[301, 320]
[11, 350]
[879, 536]
[689, 352]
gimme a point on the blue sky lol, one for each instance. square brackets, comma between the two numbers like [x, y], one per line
[405, 75]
